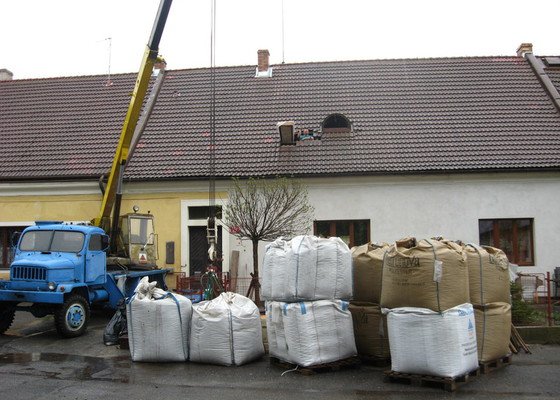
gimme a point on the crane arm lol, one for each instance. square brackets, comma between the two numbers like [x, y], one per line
[131, 120]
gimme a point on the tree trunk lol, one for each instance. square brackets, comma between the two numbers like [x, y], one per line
[255, 279]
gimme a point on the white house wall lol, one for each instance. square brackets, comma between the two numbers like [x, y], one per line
[447, 205]
[440, 205]
[420, 206]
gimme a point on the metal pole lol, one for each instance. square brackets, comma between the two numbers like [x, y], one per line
[548, 300]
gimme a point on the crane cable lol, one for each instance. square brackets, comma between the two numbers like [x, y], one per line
[211, 228]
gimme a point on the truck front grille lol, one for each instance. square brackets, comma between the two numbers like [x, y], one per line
[20, 273]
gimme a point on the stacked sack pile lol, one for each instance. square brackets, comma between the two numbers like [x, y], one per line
[307, 283]
[431, 324]
[370, 325]
[164, 327]
[490, 296]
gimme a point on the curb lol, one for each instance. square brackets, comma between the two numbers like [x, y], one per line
[540, 334]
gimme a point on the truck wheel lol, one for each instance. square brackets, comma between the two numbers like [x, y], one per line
[72, 317]
[6, 317]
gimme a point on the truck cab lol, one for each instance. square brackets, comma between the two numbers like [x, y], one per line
[58, 269]
[67, 254]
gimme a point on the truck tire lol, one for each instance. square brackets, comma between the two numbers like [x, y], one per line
[72, 317]
[7, 314]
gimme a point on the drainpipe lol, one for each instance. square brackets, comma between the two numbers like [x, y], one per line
[543, 77]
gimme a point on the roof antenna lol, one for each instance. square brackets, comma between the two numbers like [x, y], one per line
[283, 32]
[109, 82]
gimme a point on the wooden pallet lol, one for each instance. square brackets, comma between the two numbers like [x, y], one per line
[123, 342]
[346, 363]
[488, 366]
[448, 384]
[375, 361]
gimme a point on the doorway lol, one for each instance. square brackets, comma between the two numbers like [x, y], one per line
[198, 250]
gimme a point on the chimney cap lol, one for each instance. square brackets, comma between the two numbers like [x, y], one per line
[524, 48]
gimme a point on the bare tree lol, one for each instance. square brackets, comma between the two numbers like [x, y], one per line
[265, 209]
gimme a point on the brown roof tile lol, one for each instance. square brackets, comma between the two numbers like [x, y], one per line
[409, 116]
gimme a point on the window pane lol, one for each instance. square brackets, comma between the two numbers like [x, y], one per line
[36, 241]
[95, 243]
[360, 233]
[505, 228]
[141, 231]
[485, 228]
[524, 241]
[71, 242]
[323, 229]
[343, 231]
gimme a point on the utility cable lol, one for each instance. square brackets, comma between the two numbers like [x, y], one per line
[211, 231]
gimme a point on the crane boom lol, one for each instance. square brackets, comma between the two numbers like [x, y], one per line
[122, 152]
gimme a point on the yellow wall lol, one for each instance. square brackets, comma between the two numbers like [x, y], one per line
[166, 208]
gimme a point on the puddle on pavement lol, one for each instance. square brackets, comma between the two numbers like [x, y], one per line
[87, 366]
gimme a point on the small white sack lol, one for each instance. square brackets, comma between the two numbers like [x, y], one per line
[226, 331]
[158, 328]
[318, 332]
[148, 289]
[307, 268]
[425, 342]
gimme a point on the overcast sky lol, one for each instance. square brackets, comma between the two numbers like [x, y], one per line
[48, 38]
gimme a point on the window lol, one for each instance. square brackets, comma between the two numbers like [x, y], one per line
[96, 242]
[513, 236]
[203, 212]
[141, 230]
[353, 232]
[8, 241]
[336, 123]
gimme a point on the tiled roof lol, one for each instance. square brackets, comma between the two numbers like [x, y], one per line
[408, 116]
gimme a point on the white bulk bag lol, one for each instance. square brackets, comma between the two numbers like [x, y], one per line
[307, 268]
[277, 346]
[318, 332]
[425, 342]
[158, 328]
[226, 331]
[275, 269]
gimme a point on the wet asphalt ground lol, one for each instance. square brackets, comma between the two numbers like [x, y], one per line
[36, 364]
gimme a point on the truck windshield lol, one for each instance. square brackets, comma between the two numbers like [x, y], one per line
[65, 241]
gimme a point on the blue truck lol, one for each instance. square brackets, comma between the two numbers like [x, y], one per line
[64, 269]
[61, 269]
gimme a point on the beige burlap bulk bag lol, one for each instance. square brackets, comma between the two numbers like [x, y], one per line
[493, 330]
[370, 330]
[488, 274]
[428, 273]
[367, 263]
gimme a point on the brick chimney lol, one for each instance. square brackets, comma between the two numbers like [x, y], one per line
[263, 66]
[6, 75]
[524, 48]
[263, 60]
